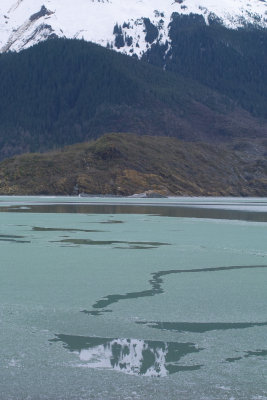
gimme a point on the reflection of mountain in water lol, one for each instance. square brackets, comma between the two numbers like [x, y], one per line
[131, 356]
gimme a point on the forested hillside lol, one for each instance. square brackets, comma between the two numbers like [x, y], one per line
[231, 61]
[66, 91]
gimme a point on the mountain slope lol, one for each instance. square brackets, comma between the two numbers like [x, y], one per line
[27, 22]
[221, 44]
[233, 62]
[65, 91]
[125, 164]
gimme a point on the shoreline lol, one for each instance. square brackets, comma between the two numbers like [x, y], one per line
[229, 208]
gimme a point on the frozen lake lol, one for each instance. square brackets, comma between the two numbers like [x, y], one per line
[112, 298]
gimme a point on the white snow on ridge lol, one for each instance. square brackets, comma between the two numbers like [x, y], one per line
[22, 24]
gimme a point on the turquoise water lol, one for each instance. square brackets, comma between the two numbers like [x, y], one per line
[133, 299]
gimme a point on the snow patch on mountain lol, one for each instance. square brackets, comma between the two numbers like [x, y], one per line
[131, 26]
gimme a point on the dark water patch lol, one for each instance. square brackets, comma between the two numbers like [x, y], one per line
[96, 313]
[115, 298]
[257, 353]
[11, 237]
[248, 354]
[130, 356]
[181, 210]
[150, 243]
[87, 242]
[200, 327]
[209, 269]
[136, 247]
[233, 359]
[113, 221]
[14, 240]
[90, 242]
[42, 229]
[21, 208]
[157, 281]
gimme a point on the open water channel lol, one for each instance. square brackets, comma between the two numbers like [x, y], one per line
[133, 298]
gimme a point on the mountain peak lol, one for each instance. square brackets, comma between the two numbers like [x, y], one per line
[139, 23]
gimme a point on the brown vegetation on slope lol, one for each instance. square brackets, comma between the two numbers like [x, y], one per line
[124, 164]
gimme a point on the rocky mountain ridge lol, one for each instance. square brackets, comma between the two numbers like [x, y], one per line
[131, 26]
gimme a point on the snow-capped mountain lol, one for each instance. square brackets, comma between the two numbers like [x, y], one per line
[129, 26]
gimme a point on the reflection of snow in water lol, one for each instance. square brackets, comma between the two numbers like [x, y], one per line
[131, 356]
